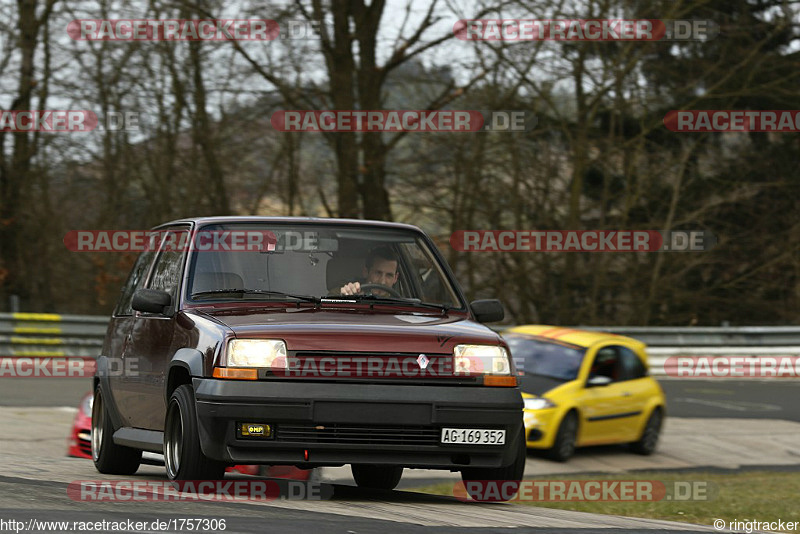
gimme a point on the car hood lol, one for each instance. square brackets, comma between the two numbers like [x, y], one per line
[340, 330]
[537, 385]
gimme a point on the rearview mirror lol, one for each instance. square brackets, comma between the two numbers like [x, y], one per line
[151, 300]
[487, 310]
[598, 381]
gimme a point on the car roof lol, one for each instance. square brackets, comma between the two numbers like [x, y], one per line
[204, 221]
[573, 336]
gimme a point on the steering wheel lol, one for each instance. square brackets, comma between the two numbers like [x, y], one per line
[393, 292]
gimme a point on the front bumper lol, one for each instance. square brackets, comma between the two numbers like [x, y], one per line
[541, 427]
[342, 423]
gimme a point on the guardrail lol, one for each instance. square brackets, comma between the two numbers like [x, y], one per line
[709, 336]
[53, 335]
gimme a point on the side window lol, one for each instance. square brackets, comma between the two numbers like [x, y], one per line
[425, 273]
[135, 281]
[632, 366]
[169, 265]
[606, 363]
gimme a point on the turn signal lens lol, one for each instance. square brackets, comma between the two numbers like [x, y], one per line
[235, 374]
[500, 381]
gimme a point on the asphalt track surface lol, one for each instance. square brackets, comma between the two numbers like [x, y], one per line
[34, 478]
[353, 511]
[737, 399]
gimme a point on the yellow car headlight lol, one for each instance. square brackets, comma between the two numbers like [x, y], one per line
[481, 360]
[270, 353]
[538, 403]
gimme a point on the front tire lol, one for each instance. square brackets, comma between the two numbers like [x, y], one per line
[566, 438]
[110, 458]
[384, 477]
[506, 477]
[183, 457]
[652, 430]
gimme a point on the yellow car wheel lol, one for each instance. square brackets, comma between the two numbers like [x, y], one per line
[647, 443]
[564, 446]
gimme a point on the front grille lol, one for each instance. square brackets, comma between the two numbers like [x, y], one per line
[85, 445]
[358, 434]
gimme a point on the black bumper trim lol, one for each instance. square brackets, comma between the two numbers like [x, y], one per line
[366, 410]
[613, 416]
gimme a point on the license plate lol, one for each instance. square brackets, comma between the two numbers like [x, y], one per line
[473, 436]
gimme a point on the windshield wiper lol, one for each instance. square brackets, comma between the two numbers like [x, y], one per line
[397, 300]
[240, 291]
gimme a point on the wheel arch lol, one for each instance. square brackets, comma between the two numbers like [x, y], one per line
[648, 412]
[100, 380]
[185, 364]
[578, 416]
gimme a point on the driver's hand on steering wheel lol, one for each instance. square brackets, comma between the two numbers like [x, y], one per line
[353, 288]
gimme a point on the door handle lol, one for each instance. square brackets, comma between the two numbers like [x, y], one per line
[627, 394]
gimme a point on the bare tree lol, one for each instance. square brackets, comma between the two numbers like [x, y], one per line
[31, 18]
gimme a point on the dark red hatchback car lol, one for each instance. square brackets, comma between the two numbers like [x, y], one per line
[306, 342]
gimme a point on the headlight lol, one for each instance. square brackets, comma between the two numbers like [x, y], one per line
[538, 404]
[268, 353]
[481, 360]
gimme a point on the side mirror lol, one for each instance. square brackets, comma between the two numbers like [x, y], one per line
[598, 381]
[151, 300]
[487, 310]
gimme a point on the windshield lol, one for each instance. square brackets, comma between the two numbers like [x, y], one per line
[543, 358]
[295, 262]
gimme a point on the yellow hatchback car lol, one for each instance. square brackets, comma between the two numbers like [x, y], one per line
[585, 388]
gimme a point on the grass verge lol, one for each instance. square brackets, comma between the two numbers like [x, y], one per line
[741, 496]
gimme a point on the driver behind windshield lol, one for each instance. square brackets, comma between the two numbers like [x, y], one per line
[380, 267]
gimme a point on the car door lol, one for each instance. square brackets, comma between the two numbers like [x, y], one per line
[120, 328]
[605, 407]
[150, 346]
[637, 390]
